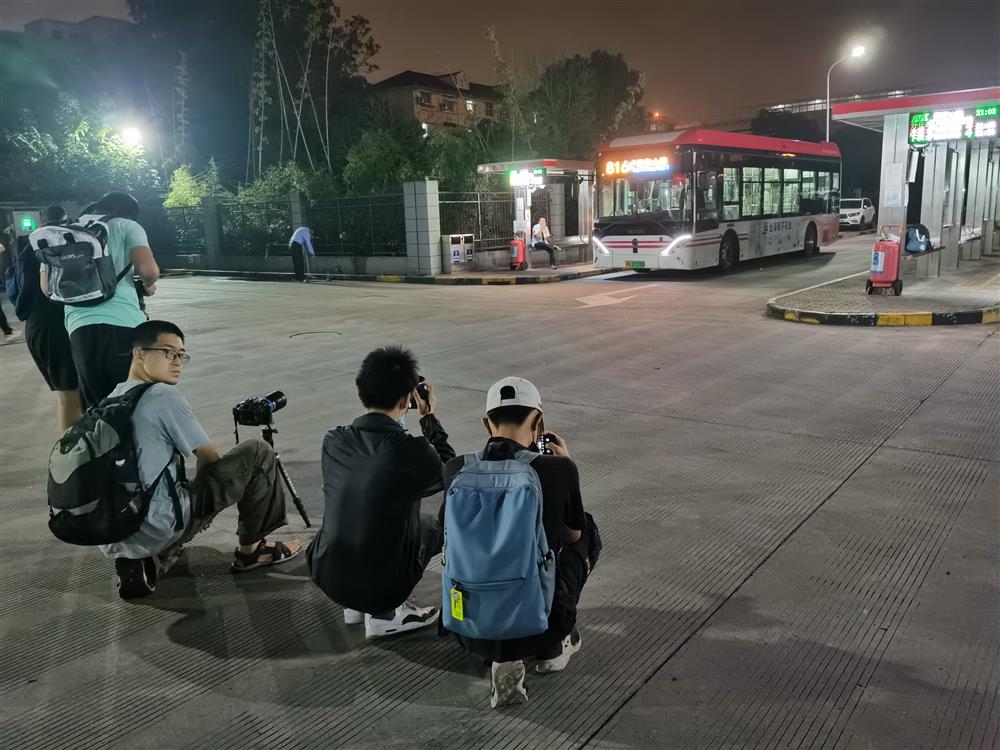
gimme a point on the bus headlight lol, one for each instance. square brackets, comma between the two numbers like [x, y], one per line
[600, 246]
[674, 244]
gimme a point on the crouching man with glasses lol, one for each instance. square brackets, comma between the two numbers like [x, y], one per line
[165, 432]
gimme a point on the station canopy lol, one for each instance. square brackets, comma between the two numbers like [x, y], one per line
[534, 171]
[949, 115]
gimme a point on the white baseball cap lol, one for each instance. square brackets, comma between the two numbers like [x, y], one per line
[513, 392]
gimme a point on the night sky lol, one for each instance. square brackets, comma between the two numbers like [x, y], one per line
[701, 59]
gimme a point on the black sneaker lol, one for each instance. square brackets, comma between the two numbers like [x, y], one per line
[136, 578]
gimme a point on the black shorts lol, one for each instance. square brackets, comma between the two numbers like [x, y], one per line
[47, 340]
[101, 356]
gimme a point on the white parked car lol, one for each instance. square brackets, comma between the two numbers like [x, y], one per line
[857, 212]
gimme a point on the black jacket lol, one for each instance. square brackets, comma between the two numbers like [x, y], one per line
[366, 554]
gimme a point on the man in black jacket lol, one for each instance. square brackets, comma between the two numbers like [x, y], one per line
[374, 543]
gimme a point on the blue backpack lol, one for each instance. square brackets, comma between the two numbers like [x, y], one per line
[499, 574]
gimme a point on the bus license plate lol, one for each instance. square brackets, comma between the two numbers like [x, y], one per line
[635, 264]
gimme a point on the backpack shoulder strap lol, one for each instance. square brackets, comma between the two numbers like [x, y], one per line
[526, 456]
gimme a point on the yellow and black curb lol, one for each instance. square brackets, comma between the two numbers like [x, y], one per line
[880, 319]
[446, 280]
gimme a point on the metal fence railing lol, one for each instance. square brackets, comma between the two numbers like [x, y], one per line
[369, 226]
[254, 228]
[489, 217]
[185, 229]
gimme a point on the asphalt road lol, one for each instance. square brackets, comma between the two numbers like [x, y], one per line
[800, 526]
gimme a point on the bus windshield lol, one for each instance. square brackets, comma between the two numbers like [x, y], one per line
[668, 196]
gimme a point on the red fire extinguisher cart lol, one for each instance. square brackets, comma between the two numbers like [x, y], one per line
[885, 261]
[518, 254]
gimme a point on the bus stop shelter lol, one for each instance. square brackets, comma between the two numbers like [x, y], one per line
[526, 176]
[940, 165]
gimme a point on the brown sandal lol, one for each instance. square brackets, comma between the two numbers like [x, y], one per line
[249, 560]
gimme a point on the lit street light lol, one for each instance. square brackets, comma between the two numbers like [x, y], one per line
[857, 51]
[131, 136]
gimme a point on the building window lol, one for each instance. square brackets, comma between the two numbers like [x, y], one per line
[470, 105]
[423, 99]
[448, 105]
[491, 109]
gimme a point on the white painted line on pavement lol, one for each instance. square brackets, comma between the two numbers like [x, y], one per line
[600, 300]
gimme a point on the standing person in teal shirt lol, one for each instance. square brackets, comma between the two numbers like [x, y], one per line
[100, 336]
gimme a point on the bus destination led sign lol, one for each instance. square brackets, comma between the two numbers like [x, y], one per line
[638, 166]
[954, 124]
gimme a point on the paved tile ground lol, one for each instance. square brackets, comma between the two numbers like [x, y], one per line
[800, 527]
[974, 286]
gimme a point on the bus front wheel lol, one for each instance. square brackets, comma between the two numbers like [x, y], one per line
[729, 253]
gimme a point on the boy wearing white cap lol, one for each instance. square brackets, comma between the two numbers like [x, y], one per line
[514, 424]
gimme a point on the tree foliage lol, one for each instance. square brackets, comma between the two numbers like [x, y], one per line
[78, 158]
[187, 188]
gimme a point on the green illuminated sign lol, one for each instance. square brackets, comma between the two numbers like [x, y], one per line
[954, 124]
[27, 224]
[534, 176]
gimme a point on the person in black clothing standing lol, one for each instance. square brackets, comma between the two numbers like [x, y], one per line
[45, 331]
[374, 543]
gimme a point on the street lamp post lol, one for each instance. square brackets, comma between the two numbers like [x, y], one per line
[858, 51]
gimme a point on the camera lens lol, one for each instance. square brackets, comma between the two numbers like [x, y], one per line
[277, 400]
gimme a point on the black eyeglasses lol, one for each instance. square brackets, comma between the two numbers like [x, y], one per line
[170, 354]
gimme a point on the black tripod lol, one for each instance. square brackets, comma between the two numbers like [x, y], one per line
[267, 432]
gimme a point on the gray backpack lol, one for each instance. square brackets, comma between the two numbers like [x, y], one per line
[75, 257]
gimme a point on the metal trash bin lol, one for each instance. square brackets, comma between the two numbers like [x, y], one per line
[457, 252]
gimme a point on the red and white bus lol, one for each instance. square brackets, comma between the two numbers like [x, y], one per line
[702, 198]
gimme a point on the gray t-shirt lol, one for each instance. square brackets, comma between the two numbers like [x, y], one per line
[164, 425]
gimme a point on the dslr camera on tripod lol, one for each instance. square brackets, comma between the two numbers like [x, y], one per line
[258, 411]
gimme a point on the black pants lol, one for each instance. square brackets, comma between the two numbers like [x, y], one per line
[298, 262]
[547, 248]
[430, 545]
[102, 359]
[48, 343]
[4, 325]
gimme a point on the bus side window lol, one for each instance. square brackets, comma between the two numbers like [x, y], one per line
[752, 178]
[808, 203]
[730, 194]
[772, 191]
[790, 191]
[823, 191]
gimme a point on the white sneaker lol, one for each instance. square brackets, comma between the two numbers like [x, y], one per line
[570, 645]
[353, 617]
[507, 684]
[408, 617]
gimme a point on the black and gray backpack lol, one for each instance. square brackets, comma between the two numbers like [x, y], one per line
[80, 270]
[95, 494]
